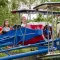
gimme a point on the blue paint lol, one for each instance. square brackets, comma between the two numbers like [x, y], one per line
[15, 36]
[21, 55]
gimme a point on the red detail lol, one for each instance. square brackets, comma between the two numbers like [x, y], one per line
[11, 28]
[1, 28]
[33, 40]
[13, 12]
[36, 26]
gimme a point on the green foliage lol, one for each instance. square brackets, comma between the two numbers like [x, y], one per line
[15, 4]
[3, 54]
[49, 1]
[39, 18]
[3, 3]
[55, 0]
[5, 12]
[28, 1]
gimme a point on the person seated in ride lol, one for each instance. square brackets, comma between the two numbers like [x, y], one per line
[24, 22]
[6, 27]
